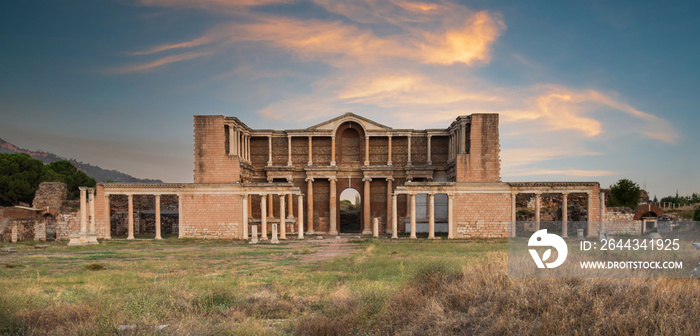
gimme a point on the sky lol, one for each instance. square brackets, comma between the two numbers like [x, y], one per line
[586, 90]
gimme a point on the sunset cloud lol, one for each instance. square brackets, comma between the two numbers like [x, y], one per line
[398, 61]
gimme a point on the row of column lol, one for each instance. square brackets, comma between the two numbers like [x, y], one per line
[333, 161]
[564, 214]
[87, 215]
[283, 219]
[239, 143]
[130, 215]
[458, 141]
[431, 216]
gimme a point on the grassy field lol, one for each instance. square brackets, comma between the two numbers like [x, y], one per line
[380, 287]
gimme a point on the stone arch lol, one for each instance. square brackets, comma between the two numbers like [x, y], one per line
[647, 210]
[350, 143]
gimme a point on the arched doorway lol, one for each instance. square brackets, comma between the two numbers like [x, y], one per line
[350, 211]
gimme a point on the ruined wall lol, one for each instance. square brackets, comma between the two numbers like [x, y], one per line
[482, 215]
[211, 162]
[482, 163]
[50, 195]
[211, 216]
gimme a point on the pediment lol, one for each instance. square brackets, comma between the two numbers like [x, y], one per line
[367, 124]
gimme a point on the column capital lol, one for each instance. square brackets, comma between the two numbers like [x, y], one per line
[83, 188]
[309, 179]
[91, 189]
[367, 136]
[451, 196]
[263, 195]
[565, 193]
[333, 136]
[332, 179]
[366, 179]
[389, 178]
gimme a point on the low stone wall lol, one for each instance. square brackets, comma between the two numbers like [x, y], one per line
[66, 224]
[628, 227]
[18, 230]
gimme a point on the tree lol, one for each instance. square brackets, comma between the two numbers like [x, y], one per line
[20, 176]
[625, 193]
[696, 216]
[72, 177]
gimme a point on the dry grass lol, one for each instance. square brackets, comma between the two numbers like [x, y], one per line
[482, 300]
[385, 287]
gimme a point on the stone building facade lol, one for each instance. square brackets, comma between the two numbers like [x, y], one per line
[431, 180]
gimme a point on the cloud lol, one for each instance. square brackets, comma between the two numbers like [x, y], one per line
[400, 61]
[158, 63]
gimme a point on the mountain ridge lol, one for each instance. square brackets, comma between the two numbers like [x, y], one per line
[96, 172]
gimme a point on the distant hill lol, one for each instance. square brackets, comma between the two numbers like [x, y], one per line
[99, 174]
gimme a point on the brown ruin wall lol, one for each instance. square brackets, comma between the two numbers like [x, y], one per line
[212, 164]
[482, 215]
[208, 216]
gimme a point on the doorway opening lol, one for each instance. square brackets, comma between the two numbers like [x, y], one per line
[350, 211]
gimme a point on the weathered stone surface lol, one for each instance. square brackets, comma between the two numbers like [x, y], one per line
[696, 245]
[9, 249]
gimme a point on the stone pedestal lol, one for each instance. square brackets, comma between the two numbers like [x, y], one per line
[375, 227]
[274, 239]
[75, 239]
[254, 234]
[579, 234]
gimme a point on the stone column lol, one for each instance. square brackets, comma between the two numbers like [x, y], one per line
[231, 140]
[91, 209]
[83, 210]
[408, 163]
[269, 150]
[463, 140]
[413, 216]
[283, 219]
[389, 192]
[601, 223]
[375, 227]
[367, 150]
[179, 216]
[311, 150]
[394, 220]
[235, 145]
[513, 215]
[271, 209]
[333, 150]
[537, 211]
[366, 207]
[289, 150]
[388, 162]
[244, 220]
[158, 233]
[290, 202]
[333, 200]
[450, 217]
[449, 150]
[589, 218]
[300, 217]
[565, 215]
[130, 216]
[108, 218]
[310, 216]
[430, 157]
[431, 216]
[263, 217]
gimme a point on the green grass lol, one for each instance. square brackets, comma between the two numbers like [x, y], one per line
[231, 287]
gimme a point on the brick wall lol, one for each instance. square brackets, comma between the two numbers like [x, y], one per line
[211, 163]
[483, 162]
[211, 216]
[482, 215]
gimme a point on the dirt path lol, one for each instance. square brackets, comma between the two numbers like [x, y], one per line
[330, 247]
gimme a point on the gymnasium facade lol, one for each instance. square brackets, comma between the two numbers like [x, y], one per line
[409, 181]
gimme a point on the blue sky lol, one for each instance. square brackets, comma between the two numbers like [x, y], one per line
[586, 90]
